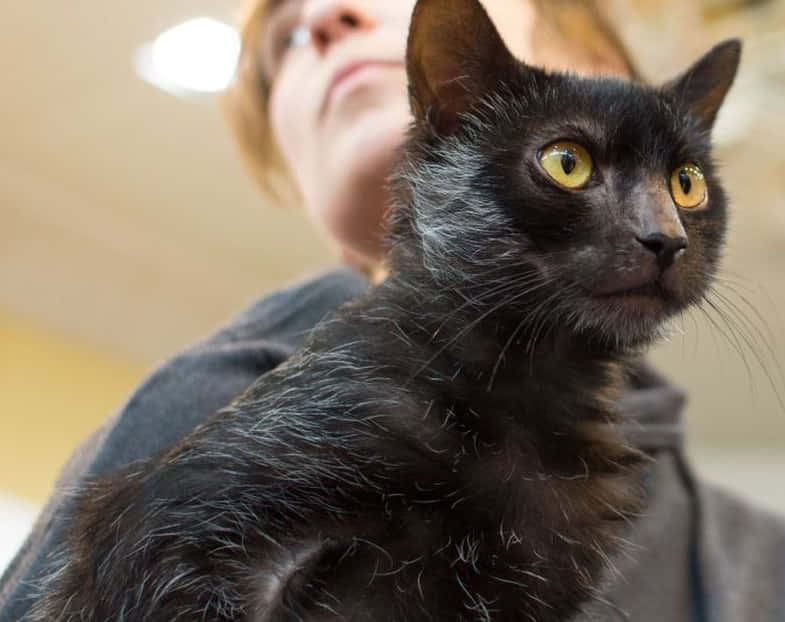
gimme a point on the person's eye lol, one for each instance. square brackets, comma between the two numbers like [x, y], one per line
[296, 37]
[288, 36]
[284, 33]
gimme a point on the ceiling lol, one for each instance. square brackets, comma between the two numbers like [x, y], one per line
[127, 221]
[126, 217]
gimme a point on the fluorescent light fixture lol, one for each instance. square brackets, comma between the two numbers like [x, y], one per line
[197, 56]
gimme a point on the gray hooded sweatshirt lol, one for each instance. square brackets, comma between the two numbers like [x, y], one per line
[696, 555]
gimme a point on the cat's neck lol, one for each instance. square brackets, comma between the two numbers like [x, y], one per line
[560, 379]
[555, 395]
[493, 359]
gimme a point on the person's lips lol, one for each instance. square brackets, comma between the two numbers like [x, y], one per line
[351, 73]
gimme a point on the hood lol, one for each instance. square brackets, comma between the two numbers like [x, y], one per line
[652, 409]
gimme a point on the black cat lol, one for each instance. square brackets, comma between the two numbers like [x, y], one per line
[443, 448]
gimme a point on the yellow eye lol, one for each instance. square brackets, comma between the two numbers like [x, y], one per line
[567, 163]
[688, 186]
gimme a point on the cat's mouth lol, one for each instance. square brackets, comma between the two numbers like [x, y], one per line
[648, 297]
[644, 281]
[649, 289]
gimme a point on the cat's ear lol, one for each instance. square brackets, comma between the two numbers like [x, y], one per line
[704, 85]
[454, 57]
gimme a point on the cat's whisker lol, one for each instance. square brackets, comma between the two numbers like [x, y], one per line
[623, 615]
[754, 340]
[733, 340]
[697, 324]
[730, 338]
[524, 321]
[500, 358]
[677, 324]
[469, 327]
[540, 317]
[478, 301]
[730, 288]
[732, 283]
[689, 313]
[764, 337]
[730, 276]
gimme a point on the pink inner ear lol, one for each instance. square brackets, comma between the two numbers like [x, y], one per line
[454, 56]
[709, 105]
[444, 115]
[703, 86]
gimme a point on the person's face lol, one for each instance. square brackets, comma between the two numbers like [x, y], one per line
[339, 105]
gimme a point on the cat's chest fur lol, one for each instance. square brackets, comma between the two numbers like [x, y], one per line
[508, 507]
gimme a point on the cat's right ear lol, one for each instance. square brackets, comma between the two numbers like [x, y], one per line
[704, 85]
[454, 57]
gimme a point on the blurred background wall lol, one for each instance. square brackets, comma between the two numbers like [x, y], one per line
[128, 229]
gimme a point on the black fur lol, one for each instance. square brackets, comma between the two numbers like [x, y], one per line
[443, 447]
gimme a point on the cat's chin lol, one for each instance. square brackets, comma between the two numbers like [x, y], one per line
[629, 319]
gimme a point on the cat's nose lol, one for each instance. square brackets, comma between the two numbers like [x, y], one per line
[667, 248]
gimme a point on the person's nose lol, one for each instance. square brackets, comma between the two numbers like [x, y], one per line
[329, 21]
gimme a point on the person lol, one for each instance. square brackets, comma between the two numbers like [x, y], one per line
[319, 107]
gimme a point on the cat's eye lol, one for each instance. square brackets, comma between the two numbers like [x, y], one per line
[567, 163]
[688, 187]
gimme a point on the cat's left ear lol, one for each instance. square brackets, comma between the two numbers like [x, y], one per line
[454, 57]
[704, 85]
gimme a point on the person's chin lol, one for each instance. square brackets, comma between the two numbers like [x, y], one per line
[368, 148]
[367, 126]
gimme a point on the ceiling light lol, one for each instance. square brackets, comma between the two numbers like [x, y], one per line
[197, 56]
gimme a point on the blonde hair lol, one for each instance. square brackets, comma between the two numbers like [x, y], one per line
[246, 104]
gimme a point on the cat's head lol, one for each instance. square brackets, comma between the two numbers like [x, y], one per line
[598, 197]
